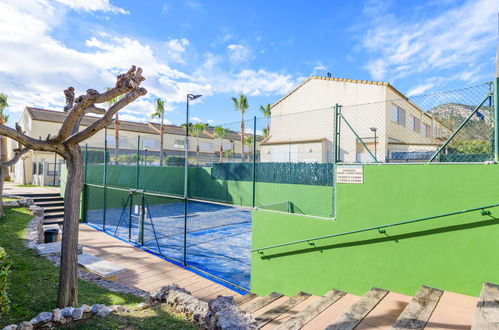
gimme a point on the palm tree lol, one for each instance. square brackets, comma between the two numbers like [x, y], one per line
[160, 111]
[3, 120]
[220, 132]
[196, 130]
[241, 105]
[267, 111]
[110, 103]
[248, 141]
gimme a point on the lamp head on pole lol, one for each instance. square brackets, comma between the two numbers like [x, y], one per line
[192, 97]
[374, 129]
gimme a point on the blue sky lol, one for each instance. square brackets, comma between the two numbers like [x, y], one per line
[222, 48]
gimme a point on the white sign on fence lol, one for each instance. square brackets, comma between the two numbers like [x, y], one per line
[350, 174]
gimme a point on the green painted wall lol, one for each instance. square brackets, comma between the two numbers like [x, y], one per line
[455, 253]
[307, 199]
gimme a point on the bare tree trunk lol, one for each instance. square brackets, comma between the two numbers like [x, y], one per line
[221, 149]
[3, 174]
[68, 276]
[242, 138]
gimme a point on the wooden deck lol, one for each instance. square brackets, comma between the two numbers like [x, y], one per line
[144, 270]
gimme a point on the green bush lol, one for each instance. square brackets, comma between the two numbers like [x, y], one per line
[175, 161]
[4, 272]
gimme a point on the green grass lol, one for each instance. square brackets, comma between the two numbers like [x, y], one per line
[33, 282]
[159, 317]
[7, 199]
[31, 185]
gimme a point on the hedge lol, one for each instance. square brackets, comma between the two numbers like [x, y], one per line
[4, 272]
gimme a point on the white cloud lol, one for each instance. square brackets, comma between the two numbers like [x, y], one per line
[93, 5]
[175, 48]
[458, 36]
[239, 53]
[420, 89]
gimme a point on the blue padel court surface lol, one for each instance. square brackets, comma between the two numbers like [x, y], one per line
[218, 239]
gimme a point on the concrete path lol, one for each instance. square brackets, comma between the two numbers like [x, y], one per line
[11, 188]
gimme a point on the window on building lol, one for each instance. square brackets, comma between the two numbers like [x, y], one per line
[414, 124]
[426, 130]
[179, 143]
[40, 168]
[435, 131]
[34, 168]
[205, 146]
[149, 144]
[227, 146]
[398, 115]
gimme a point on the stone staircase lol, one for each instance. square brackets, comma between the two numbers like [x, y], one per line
[377, 309]
[53, 205]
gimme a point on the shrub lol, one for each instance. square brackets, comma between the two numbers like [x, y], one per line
[175, 161]
[4, 272]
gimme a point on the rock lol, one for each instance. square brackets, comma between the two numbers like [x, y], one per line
[56, 315]
[103, 312]
[96, 308]
[67, 312]
[143, 306]
[25, 326]
[117, 308]
[10, 327]
[77, 313]
[42, 318]
[224, 313]
[86, 308]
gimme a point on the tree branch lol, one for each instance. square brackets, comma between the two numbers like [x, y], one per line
[107, 118]
[17, 154]
[125, 83]
[27, 141]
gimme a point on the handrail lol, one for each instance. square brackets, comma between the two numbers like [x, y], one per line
[379, 228]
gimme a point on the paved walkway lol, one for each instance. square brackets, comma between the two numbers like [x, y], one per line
[144, 270]
[11, 188]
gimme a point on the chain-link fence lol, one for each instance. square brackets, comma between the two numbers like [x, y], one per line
[198, 212]
[454, 126]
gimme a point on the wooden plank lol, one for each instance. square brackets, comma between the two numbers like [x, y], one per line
[264, 301]
[419, 310]
[273, 313]
[352, 317]
[314, 309]
[243, 299]
[487, 309]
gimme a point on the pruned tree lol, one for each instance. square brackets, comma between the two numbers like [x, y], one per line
[66, 144]
[4, 170]
[241, 105]
[160, 113]
[196, 130]
[221, 133]
[267, 113]
[110, 103]
[4, 118]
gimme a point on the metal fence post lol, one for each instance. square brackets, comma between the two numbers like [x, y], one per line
[335, 154]
[496, 110]
[186, 178]
[142, 216]
[254, 161]
[104, 182]
[138, 162]
[85, 188]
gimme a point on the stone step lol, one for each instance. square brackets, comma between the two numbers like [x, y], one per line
[37, 200]
[52, 249]
[273, 313]
[353, 316]
[40, 195]
[312, 310]
[50, 204]
[418, 311]
[259, 304]
[52, 215]
[57, 221]
[52, 209]
[487, 310]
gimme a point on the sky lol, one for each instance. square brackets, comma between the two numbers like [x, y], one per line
[221, 48]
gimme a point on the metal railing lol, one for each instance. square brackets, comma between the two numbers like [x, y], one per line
[381, 229]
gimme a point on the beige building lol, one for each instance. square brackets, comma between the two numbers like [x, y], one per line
[42, 168]
[302, 124]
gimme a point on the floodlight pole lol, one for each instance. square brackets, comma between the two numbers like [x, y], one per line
[190, 97]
